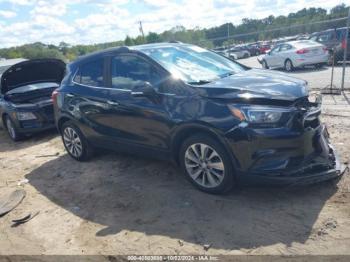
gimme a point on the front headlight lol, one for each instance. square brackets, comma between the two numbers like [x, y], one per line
[25, 116]
[261, 115]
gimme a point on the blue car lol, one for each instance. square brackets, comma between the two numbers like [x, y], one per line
[223, 123]
[25, 96]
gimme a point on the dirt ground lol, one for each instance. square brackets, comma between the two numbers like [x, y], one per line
[119, 204]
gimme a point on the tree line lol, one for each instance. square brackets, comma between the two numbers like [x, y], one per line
[250, 30]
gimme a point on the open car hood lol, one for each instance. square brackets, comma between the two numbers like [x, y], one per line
[32, 71]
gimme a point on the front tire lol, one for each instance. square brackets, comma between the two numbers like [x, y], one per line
[264, 64]
[206, 164]
[11, 129]
[288, 65]
[75, 142]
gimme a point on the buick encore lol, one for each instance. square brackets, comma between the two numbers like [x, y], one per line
[222, 122]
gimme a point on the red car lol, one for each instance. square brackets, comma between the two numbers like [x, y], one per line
[264, 48]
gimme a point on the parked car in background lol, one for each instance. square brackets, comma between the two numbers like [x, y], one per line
[294, 54]
[25, 96]
[239, 52]
[334, 40]
[253, 49]
[6, 63]
[263, 48]
[222, 122]
[227, 54]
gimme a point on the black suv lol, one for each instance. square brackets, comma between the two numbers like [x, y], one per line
[222, 122]
[334, 40]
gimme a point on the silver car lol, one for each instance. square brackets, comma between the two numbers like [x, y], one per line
[239, 52]
[294, 54]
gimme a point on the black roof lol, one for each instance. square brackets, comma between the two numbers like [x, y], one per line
[125, 49]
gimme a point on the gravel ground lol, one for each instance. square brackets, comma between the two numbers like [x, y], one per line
[119, 204]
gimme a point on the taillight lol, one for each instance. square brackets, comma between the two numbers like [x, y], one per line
[325, 49]
[343, 44]
[54, 96]
[302, 51]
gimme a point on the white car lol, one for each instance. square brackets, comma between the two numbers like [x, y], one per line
[227, 54]
[239, 52]
[294, 54]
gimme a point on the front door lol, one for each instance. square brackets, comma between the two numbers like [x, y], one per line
[138, 120]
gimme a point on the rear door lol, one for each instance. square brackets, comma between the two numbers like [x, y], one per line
[88, 100]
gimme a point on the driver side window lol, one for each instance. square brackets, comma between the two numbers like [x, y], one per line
[130, 71]
[275, 50]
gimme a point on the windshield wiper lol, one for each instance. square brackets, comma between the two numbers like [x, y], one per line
[199, 82]
[227, 74]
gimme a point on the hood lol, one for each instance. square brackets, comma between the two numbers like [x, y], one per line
[258, 84]
[32, 71]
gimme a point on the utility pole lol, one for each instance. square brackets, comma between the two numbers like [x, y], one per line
[228, 31]
[141, 30]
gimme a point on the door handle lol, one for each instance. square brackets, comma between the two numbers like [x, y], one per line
[112, 103]
[69, 95]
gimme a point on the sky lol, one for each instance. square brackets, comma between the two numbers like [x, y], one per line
[93, 21]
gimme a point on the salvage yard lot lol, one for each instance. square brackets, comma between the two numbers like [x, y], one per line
[120, 204]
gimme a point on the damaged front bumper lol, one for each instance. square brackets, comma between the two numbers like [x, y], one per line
[298, 153]
[286, 168]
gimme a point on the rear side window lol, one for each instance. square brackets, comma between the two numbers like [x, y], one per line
[285, 47]
[325, 37]
[91, 74]
[128, 71]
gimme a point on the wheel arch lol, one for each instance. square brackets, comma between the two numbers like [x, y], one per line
[61, 121]
[187, 131]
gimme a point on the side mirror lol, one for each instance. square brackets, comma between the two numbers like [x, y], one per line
[145, 90]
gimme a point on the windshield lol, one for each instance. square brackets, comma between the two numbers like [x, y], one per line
[193, 64]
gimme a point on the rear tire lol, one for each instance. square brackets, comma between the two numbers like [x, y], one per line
[288, 65]
[75, 142]
[11, 129]
[206, 164]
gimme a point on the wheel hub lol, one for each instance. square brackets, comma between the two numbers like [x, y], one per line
[204, 165]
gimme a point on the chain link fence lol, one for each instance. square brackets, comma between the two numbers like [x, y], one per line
[332, 34]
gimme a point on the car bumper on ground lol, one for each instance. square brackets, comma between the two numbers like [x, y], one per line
[286, 158]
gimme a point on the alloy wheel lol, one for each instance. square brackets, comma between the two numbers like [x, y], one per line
[204, 165]
[73, 142]
[288, 65]
[10, 128]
